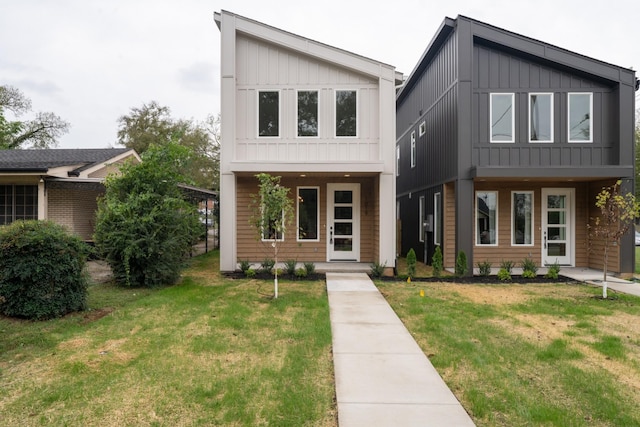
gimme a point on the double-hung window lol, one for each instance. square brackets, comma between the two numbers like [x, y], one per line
[269, 113]
[487, 218]
[308, 213]
[18, 202]
[522, 218]
[307, 113]
[413, 149]
[501, 117]
[580, 107]
[540, 117]
[423, 128]
[346, 113]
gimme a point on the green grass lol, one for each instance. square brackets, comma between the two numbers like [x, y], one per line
[209, 351]
[549, 355]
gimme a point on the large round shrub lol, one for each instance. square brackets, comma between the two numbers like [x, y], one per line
[41, 270]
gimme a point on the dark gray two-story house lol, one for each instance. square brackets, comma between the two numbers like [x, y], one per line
[503, 142]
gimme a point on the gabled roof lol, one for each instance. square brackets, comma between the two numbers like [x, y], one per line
[80, 159]
[310, 47]
[544, 52]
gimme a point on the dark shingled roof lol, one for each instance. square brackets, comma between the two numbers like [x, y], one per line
[42, 160]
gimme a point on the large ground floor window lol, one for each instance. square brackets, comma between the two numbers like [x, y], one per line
[18, 202]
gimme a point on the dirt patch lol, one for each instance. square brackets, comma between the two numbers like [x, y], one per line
[99, 271]
[93, 315]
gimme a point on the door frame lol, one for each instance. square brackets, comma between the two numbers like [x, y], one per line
[570, 229]
[354, 254]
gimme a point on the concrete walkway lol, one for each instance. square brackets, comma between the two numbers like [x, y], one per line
[594, 278]
[382, 377]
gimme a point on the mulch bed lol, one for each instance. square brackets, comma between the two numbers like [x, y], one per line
[481, 280]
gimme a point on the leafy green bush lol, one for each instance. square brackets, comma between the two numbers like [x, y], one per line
[529, 268]
[437, 262]
[267, 265]
[377, 269]
[301, 272]
[461, 264]
[507, 265]
[484, 268]
[250, 272]
[553, 271]
[504, 274]
[41, 270]
[145, 229]
[411, 263]
[244, 265]
[310, 268]
[290, 266]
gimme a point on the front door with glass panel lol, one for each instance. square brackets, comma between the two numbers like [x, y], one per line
[557, 226]
[343, 222]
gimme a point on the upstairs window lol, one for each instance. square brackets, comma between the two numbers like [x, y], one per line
[540, 117]
[487, 218]
[269, 113]
[580, 113]
[307, 113]
[346, 113]
[502, 117]
[413, 149]
[423, 128]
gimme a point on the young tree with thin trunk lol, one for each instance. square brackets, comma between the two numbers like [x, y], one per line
[618, 213]
[272, 210]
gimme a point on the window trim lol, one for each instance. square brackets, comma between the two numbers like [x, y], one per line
[298, 114]
[397, 160]
[513, 125]
[278, 91]
[551, 122]
[13, 203]
[477, 235]
[422, 207]
[573, 141]
[423, 128]
[437, 206]
[413, 149]
[307, 187]
[335, 113]
[513, 243]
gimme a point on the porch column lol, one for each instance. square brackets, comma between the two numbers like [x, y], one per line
[627, 243]
[387, 228]
[228, 246]
[42, 201]
[464, 221]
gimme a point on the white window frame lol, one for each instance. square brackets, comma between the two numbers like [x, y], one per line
[579, 141]
[538, 141]
[437, 206]
[421, 218]
[279, 113]
[298, 117]
[335, 113]
[532, 228]
[423, 128]
[413, 149]
[397, 160]
[513, 126]
[307, 187]
[475, 228]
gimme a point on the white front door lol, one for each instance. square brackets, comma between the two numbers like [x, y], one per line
[343, 222]
[558, 226]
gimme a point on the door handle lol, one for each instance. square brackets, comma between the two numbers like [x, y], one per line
[330, 235]
[545, 240]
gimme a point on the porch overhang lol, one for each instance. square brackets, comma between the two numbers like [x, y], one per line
[311, 168]
[552, 173]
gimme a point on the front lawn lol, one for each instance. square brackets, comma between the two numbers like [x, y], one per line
[541, 354]
[209, 351]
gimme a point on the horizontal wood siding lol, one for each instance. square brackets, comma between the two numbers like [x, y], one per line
[252, 249]
[449, 225]
[596, 254]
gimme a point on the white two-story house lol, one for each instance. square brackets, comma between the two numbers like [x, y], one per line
[321, 118]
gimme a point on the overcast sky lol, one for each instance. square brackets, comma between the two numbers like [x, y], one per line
[91, 61]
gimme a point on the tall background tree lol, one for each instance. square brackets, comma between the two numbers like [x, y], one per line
[42, 131]
[152, 126]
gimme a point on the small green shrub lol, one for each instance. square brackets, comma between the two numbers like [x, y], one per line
[461, 264]
[484, 268]
[301, 272]
[553, 271]
[377, 269]
[250, 273]
[436, 262]
[244, 265]
[507, 265]
[267, 265]
[504, 275]
[41, 270]
[529, 268]
[310, 268]
[411, 263]
[290, 266]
